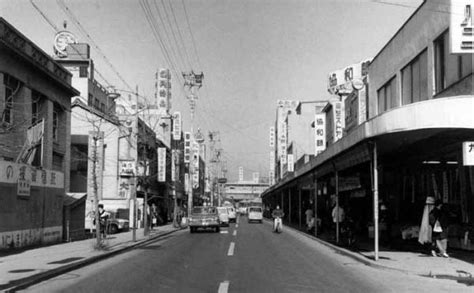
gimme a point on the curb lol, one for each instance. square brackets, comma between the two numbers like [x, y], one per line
[356, 256]
[40, 277]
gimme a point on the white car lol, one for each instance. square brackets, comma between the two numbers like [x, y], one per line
[255, 214]
[223, 215]
[232, 215]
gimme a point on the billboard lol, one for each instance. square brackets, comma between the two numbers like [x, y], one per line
[461, 37]
[340, 81]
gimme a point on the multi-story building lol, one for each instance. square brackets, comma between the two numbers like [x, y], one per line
[418, 133]
[35, 102]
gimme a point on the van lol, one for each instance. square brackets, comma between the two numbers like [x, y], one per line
[255, 214]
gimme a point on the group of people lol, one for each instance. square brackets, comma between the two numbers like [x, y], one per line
[434, 227]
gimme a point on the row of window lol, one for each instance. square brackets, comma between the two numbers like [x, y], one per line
[95, 103]
[448, 70]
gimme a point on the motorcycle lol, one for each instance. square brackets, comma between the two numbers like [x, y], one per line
[277, 225]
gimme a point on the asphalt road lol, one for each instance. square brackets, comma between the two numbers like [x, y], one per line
[242, 258]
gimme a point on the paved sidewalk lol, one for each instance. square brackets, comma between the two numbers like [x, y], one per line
[457, 267]
[38, 264]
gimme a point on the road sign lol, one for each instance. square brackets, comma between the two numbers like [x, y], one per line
[222, 180]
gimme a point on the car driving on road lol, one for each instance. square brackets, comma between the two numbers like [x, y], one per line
[232, 214]
[204, 218]
[223, 216]
[255, 214]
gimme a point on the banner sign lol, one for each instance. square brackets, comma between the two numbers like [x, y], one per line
[461, 37]
[177, 126]
[319, 133]
[161, 164]
[27, 176]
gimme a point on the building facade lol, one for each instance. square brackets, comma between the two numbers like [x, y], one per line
[35, 95]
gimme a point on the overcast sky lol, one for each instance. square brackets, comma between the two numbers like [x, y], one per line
[252, 53]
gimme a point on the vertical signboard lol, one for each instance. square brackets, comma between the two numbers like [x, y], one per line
[164, 90]
[256, 177]
[161, 164]
[362, 105]
[187, 147]
[461, 37]
[195, 158]
[319, 133]
[271, 177]
[338, 121]
[272, 137]
[177, 126]
[241, 174]
[283, 141]
[291, 163]
[187, 186]
[173, 165]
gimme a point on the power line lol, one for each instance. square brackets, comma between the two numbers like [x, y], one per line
[179, 33]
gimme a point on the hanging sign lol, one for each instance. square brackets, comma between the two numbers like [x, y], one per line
[468, 153]
[461, 37]
[319, 133]
[177, 126]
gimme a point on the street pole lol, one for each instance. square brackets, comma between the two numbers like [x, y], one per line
[315, 206]
[135, 208]
[95, 188]
[145, 214]
[376, 203]
[337, 206]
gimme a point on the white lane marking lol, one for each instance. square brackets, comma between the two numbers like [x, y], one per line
[235, 233]
[224, 232]
[231, 249]
[223, 287]
[236, 225]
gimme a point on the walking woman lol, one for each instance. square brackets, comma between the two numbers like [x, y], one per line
[439, 222]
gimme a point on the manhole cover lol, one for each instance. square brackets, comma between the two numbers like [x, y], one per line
[22, 271]
[66, 260]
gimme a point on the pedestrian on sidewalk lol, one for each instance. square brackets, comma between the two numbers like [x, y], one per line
[439, 222]
[425, 234]
[309, 217]
[103, 216]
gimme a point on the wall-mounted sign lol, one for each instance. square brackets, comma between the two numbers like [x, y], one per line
[339, 121]
[461, 36]
[163, 90]
[291, 163]
[127, 168]
[468, 153]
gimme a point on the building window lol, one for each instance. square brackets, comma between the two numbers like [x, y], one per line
[55, 123]
[82, 71]
[12, 86]
[387, 96]
[58, 161]
[449, 68]
[96, 103]
[102, 107]
[415, 80]
[90, 100]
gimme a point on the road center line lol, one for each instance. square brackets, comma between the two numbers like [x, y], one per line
[235, 233]
[231, 249]
[223, 287]
[224, 232]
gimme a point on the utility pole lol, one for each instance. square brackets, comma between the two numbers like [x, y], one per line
[95, 189]
[135, 208]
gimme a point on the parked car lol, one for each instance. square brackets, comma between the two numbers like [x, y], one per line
[204, 217]
[255, 214]
[115, 224]
[223, 216]
[232, 214]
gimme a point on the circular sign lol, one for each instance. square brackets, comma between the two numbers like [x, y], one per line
[61, 40]
[357, 84]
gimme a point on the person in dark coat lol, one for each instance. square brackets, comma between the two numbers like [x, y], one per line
[439, 222]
